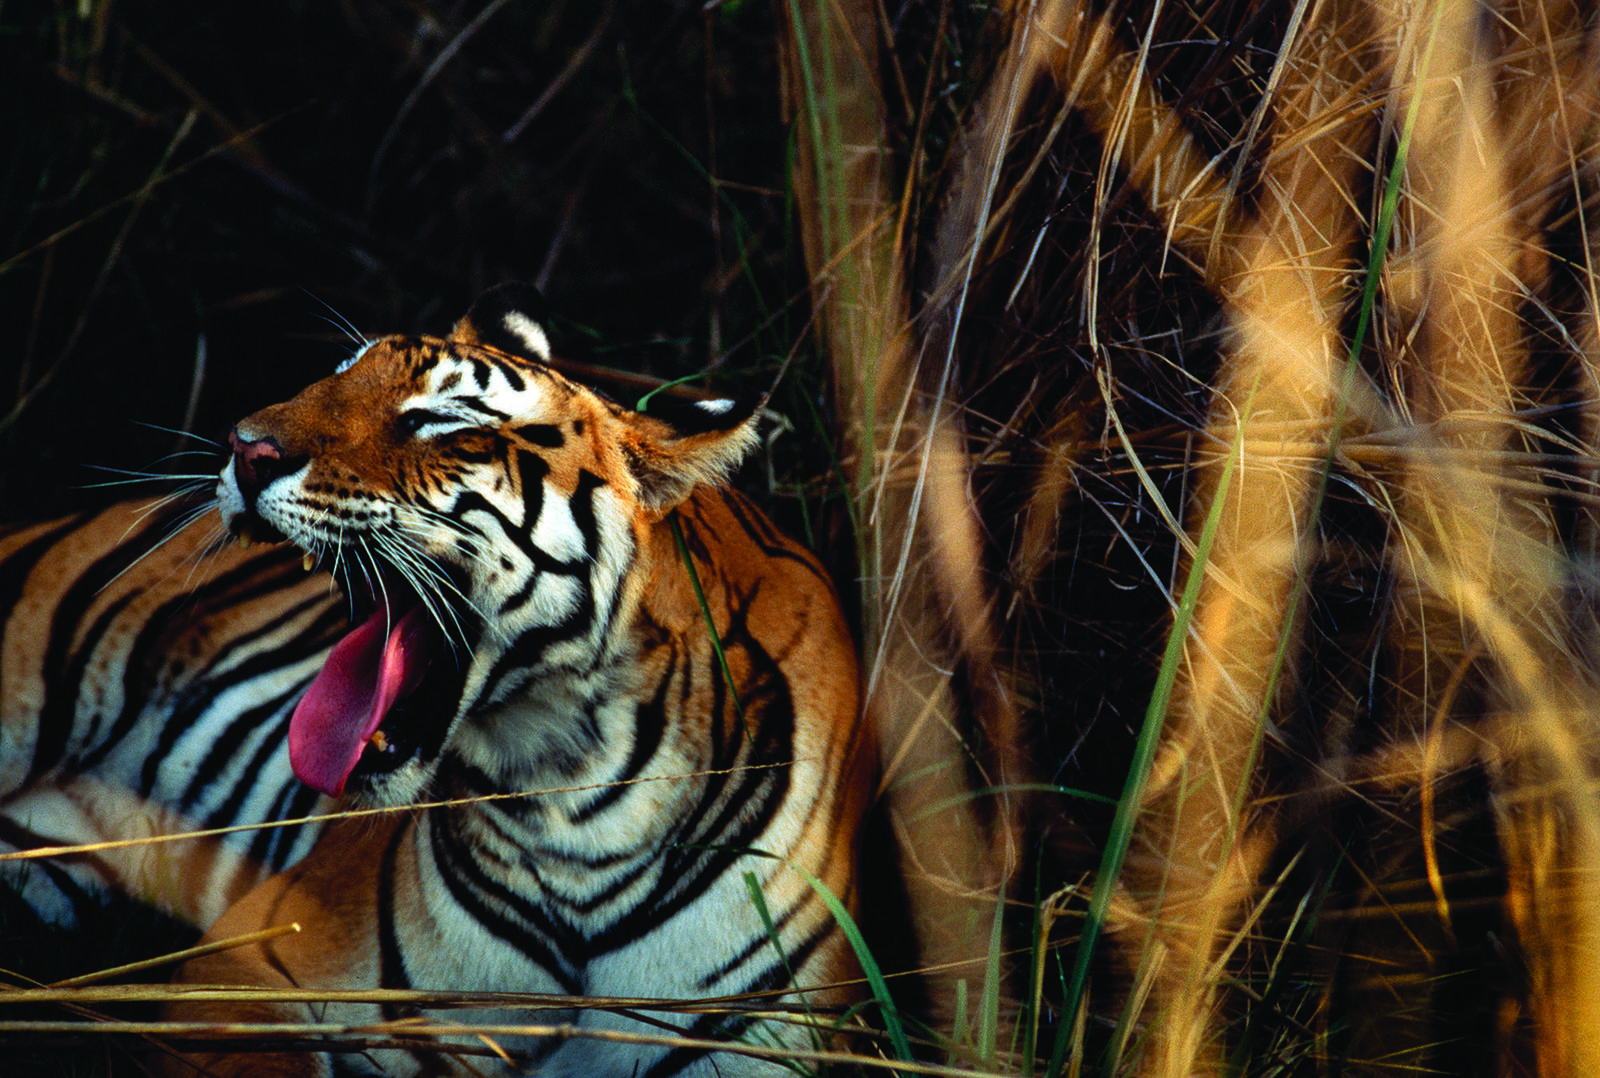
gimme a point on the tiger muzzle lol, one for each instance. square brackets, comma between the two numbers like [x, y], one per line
[256, 463]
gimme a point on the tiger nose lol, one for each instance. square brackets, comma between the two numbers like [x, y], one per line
[255, 463]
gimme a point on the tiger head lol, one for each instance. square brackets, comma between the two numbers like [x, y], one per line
[487, 518]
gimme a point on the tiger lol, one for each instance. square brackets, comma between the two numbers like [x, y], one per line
[615, 712]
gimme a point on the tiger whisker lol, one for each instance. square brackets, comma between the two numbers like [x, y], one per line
[175, 495]
[340, 322]
[209, 550]
[472, 550]
[209, 477]
[355, 549]
[375, 581]
[420, 572]
[181, 433]
[426, 579]
[423, 580]
[182, 524]
[438, 519]
[193, 482]
[472, 542]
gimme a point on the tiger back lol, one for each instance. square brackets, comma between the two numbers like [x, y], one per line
[627, 704]
[147, 677]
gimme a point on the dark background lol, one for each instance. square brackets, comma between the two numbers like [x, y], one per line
[198, 198]
[195, 196]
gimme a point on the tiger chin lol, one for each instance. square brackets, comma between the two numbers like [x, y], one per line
[603, 792]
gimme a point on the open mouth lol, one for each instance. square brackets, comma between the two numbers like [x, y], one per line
[383, 694]
[339, 722]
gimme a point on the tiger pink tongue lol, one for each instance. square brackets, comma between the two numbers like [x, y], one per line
[363, 677]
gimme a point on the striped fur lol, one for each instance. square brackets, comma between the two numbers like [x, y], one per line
[146, 684]
[516, 530]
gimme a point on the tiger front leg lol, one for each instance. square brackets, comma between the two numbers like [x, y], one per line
[334, 949]
[359, 902]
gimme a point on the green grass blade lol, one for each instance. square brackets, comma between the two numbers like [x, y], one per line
[1128, 804]
[869, 966]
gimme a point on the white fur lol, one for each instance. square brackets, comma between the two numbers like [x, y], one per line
[555, 532]
[353, 359]
[529, 332]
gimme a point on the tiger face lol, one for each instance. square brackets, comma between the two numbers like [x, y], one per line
[485, 515]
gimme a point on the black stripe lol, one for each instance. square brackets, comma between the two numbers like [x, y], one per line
[531, 470]
[711, 1026]
[530, 647]
[223, 753]
[704, 1027]
[275, 570]
[392, 972]
[765, 703]
[765, 534]
[391, 959]
[63, 666]
[51, 745]
[464, 877]
[137, 673]
[477, 405]
[275, 846]
[473, 502]
[266, 843]
[732, 811]
[583, 510]
[17, 567]
[513, 376]
[756, 944]
[138, 680]
[472, 866]
[649, 722]
[545, 435]
[194, 703]
[756, 526]
[84, 901]
[14, 573]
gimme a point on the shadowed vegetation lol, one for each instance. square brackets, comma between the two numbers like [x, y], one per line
[1197, 404]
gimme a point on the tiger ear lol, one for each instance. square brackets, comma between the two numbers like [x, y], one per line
[674, 446]
[510, 317]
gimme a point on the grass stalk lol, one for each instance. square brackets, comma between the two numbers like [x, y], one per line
[1125, 820]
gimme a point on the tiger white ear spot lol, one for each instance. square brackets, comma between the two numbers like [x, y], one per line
[509, 317]
[716, 407]
[530, 333]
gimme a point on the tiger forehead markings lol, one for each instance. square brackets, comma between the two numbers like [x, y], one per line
[474, 433]
[447, 405]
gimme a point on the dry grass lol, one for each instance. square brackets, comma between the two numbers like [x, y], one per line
[1173, 309]
[1214, 395]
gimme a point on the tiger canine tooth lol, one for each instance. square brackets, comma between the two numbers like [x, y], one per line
[309, 562]
[379, 741]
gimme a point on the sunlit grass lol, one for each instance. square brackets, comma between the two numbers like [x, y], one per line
[1213, 407]
[1401, 393]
